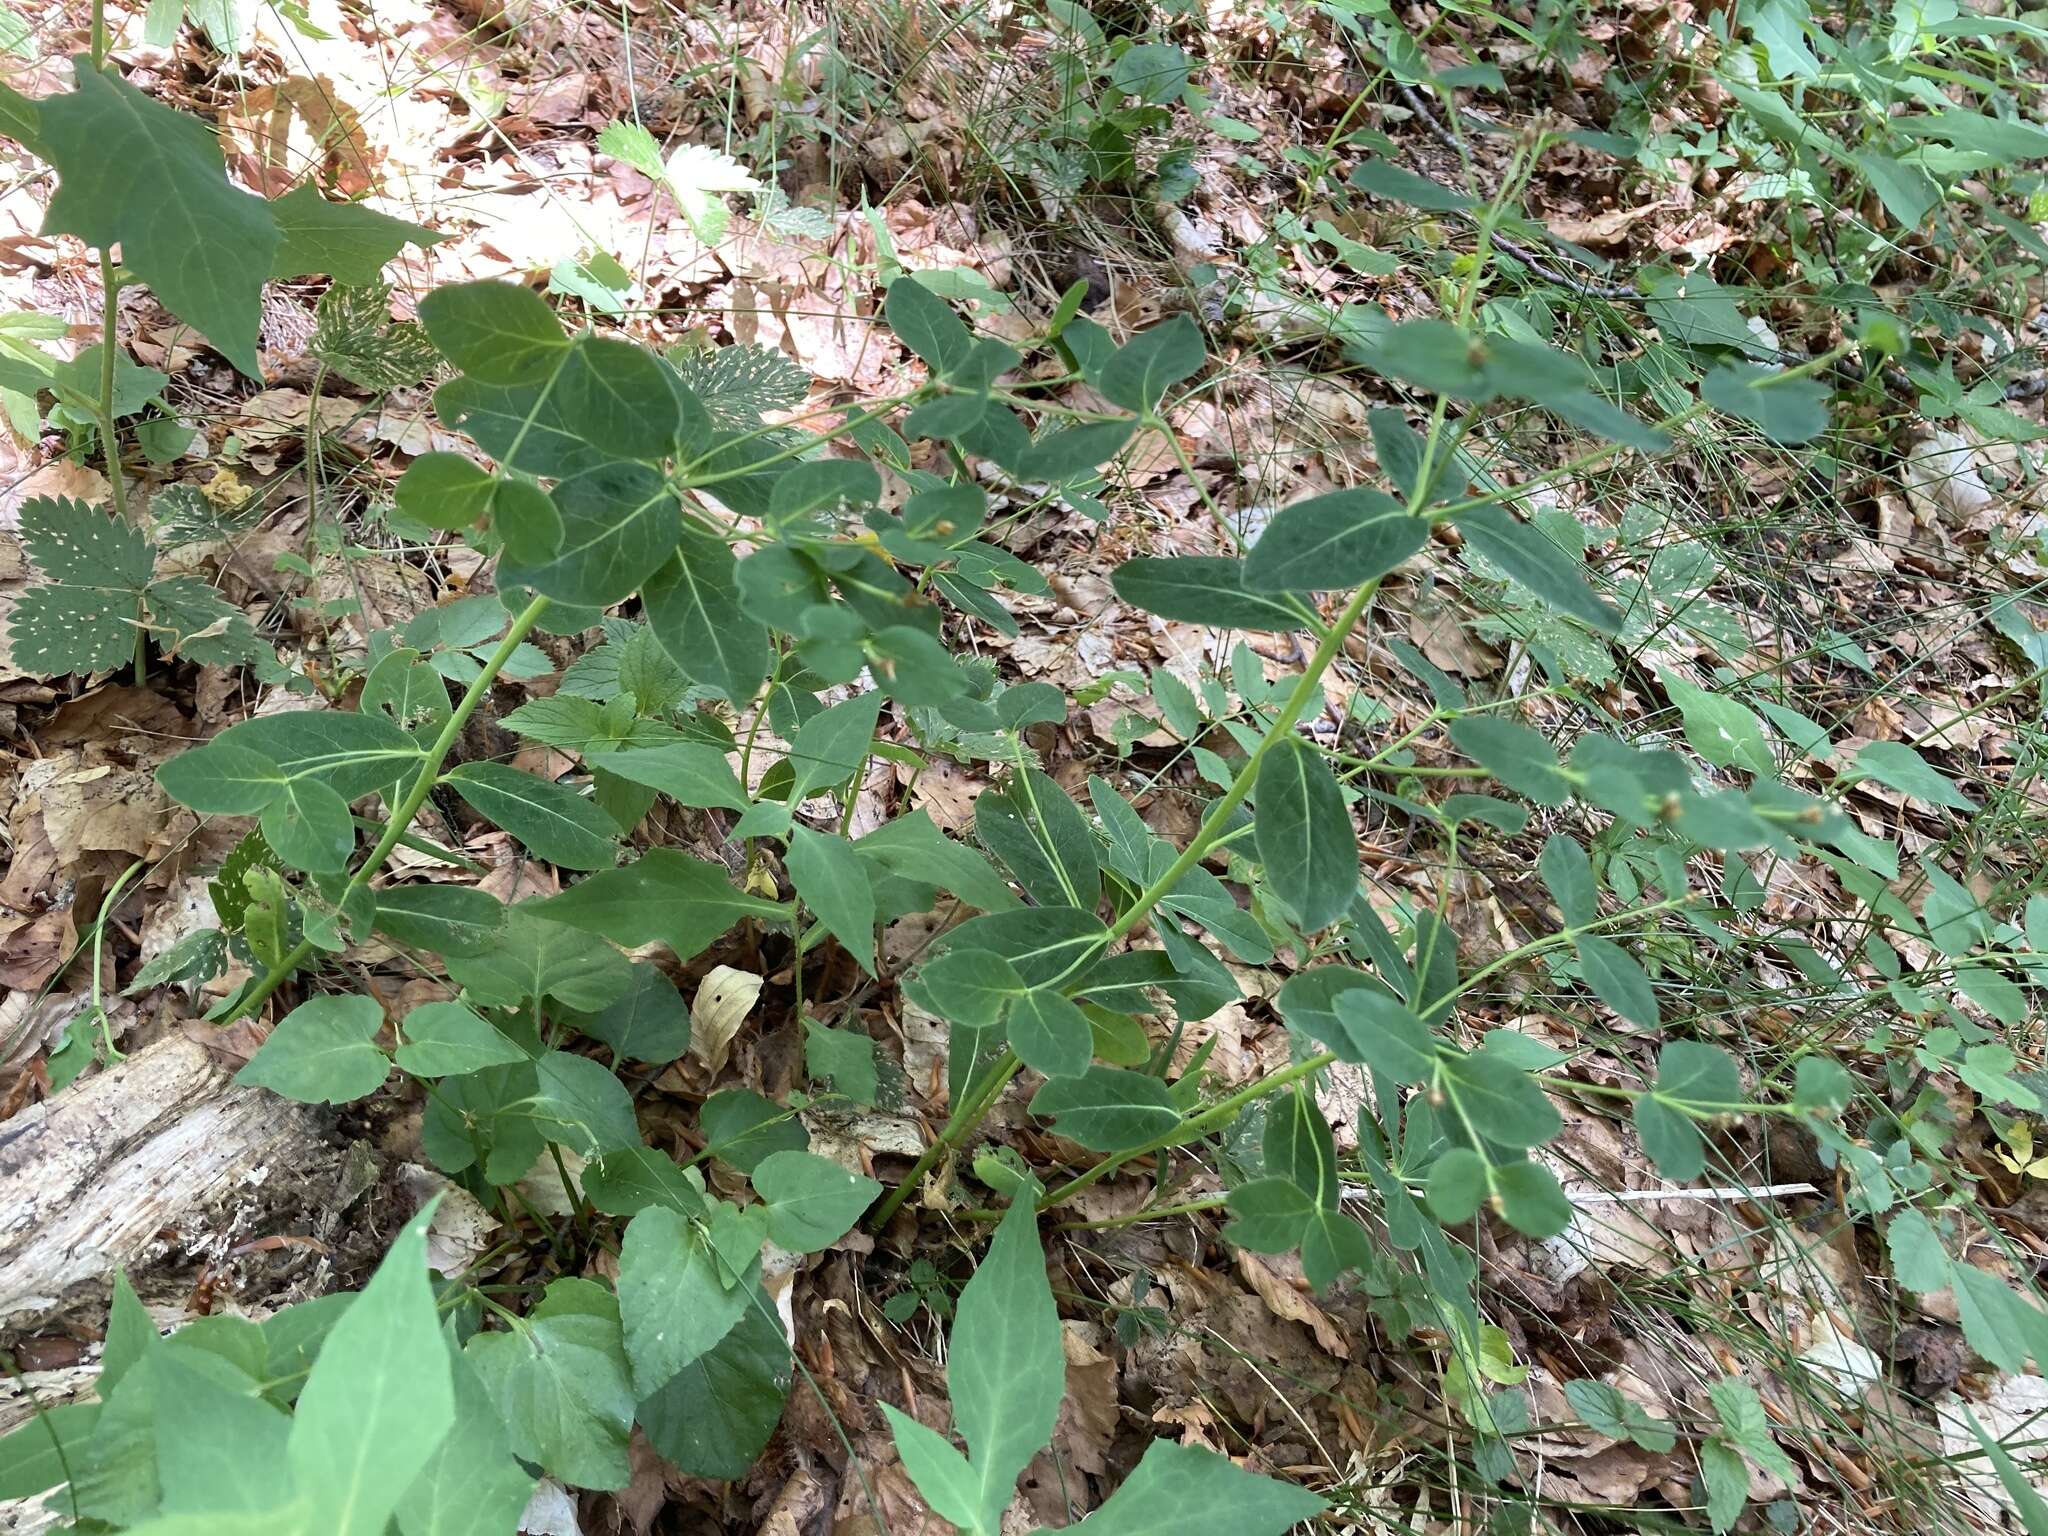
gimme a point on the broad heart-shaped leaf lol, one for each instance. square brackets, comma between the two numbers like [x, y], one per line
[560, 1381]
[743, 1129]
[347, 241]
[1050, 1032]
[1139, 372]
[84, 614]
[647, 1023]
[1269, 1215]
[665, 897]
[1203, 589]
[619, 523]
[151, 180]
[1527, 554]
[812, 1201]
[1038, 832]
[1337, 540]
[1006, 1371]
[714, 1417]
[835, 883]
[693, 607]
[217, 1448]
[551, 820]
[1304, 835]
[496, 333]
[676, 1297]
[444, 1039]
[352, 754]
[447, 919]
[1108, 1109]
[471, 1485]
[1183, 1490]
[322, 1052]
[532, 957]
[1692, 1080]
[579, 1103]
[1519, 757]
[380, 1399]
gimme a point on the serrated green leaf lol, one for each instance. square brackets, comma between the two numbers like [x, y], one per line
[135, 174]
[84, 613]
[322, 1052]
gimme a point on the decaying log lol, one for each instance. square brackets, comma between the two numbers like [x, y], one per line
[92, 1180]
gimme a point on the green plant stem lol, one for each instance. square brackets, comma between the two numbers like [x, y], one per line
[968, 1113]
[959, 1126]
[401, 818]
